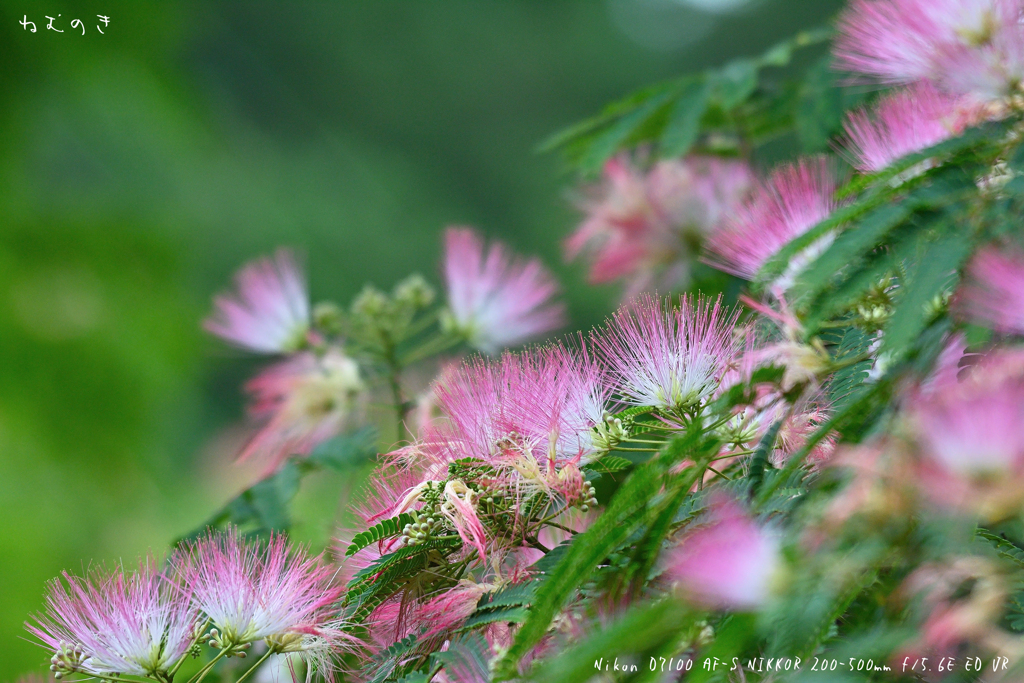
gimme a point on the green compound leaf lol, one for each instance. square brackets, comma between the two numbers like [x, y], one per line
[378, 532]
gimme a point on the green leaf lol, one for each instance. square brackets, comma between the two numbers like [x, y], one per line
[1003, 546]
[839, 419]
[733, 636]
[625, 513]
[378, 532]
[873, 271]
[821, 106]
[734, 82]
[469, 654]
[845, 381]
[759, 460]
[515, 595]
[683, 126]
[505, 615]
[607, 143]
[385, 563]
[609, 464]
[643, 628]
[850, 248]
[344, 452]
[628, 511]
[930, 276]
[384, 663]
[260, 509]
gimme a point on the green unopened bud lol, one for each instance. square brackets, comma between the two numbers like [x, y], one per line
[415, 291]
[328, 317]
[370, 303]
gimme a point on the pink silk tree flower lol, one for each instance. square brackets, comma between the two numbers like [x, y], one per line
[993, 293]
[303, 401]
[543, 401]
[113, 623]
[728, 562]
[644, 227]
[969, 442]
[967, 47]
[902, 123]
[972, 428]
[665, 357]
[253, 590]
[495, 298]
[793, 199]
[270, 311]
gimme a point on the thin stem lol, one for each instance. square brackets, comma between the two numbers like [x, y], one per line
[422, 323]
[433, 673]
[103, 677]
[198, 639]
[718, 473]
[637, 450]
[849, 361]
[430, 348]
[201, 674]
[536, 544]
[563, 528]
[395, 383]
[256, 665]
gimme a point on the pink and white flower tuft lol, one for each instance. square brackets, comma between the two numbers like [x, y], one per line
[643, 227]
[793, 199]
[108, 624]
[994, 291]
[903, 122]
[495, 298]
[729, 562]
[270, 311]
[541, 404]
[265, 591]
[665, 357]
[972, 428]
[305, 401]
[968, 47]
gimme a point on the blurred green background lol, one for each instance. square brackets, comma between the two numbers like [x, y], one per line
[139, 168]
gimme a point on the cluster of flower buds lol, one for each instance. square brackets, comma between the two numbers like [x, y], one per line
[67, 659]
[228, 644]
[609, 432]
[427, 522]
[590, 499]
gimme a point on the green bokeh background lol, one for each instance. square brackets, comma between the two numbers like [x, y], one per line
[139, 168]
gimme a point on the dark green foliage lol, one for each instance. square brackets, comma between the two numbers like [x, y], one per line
[823, 104]
[760, 459]
[609, 465]
[643, 630]
[378, 532]
[853, 344]
[671, 116]
[263, 507]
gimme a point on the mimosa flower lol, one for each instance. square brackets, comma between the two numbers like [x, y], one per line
[644, 227]
[968, 47]
[543, 402]
[270, 312]
[305, 401]
[902, 123]
[253, 590]
[793, 199]
[727, 563]
[665, 357]
[993, 293]
[114, 623]
[495, 298]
